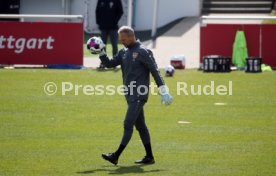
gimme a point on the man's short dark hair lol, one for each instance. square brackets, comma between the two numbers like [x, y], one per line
[127, 30]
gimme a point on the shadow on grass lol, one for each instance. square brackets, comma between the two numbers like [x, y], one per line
[120, 170]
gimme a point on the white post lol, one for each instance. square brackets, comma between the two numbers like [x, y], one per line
[63, 4]
[86, 16]
[155, 18]
[129, 15]
[67, 7]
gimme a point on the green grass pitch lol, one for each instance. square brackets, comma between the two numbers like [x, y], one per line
[65, 135]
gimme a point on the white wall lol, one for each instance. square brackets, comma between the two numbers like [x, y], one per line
[77, 7]
[41, 7]
[169, 10]
[87, 8]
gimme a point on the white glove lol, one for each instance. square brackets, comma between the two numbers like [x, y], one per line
[166, 97]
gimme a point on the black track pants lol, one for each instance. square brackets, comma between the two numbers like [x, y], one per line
[135, 117]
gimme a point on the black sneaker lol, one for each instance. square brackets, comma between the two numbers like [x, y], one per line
[145, 160]
[111, 157]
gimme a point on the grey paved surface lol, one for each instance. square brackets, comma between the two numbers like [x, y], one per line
[182, 39]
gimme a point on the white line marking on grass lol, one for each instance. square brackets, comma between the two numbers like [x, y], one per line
[183, 122]
[220, 104]
[9, 67]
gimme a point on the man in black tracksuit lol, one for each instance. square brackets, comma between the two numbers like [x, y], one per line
[108, 14]
[137, 63]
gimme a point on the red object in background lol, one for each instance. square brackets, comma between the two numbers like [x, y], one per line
[178, 61]
[269, 44]
[41, 43]
[218, 39]
[177, 64]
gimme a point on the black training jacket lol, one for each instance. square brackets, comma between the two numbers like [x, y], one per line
[108, 14]
[137, 63]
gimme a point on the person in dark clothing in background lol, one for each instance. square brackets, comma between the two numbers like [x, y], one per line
[137, 62]
[108, 14]
[9, 7]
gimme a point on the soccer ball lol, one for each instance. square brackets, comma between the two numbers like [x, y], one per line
[95, 45]
[169, 70]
